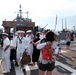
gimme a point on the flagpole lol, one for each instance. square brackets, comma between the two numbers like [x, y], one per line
[55, 22]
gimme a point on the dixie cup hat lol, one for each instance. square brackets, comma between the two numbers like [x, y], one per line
[28, 31]
[4, 34]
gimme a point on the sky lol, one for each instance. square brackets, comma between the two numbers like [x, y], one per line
[42, 12]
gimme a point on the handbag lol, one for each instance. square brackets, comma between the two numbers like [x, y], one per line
[46, 55]
[26, 59]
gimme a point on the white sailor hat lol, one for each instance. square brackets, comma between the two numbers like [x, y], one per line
[18, 31]
[56, 33]
[22, 31]
[28, 31]
[4, 34]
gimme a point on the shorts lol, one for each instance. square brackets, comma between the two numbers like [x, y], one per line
[68, 43]
[48, 66]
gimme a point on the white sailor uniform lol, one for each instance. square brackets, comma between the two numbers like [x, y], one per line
[21, 46]
[6, 55]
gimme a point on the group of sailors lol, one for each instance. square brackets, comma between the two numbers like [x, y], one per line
[32, 44]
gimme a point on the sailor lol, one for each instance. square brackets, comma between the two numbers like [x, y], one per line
[30, 37]
[6, 52]
[21, 45]
[14, 40]
[13, 55]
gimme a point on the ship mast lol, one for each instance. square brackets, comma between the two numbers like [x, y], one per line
[65, 24]
[62, 23]
[27, 13]
[55, 22]
[20, 12]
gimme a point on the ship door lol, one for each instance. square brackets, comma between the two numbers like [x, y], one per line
[11, 32]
